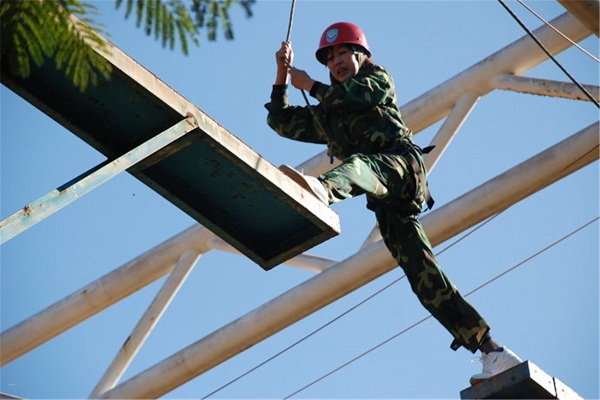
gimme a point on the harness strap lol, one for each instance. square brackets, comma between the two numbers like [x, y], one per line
[420, 176]
[410, 207]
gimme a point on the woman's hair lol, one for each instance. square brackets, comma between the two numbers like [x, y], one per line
[363, 59]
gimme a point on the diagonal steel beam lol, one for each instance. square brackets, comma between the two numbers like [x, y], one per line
[158, 261]
[350, 274]
[516, 59]
[50, 203]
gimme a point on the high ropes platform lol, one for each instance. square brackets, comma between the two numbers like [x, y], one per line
[144, 127]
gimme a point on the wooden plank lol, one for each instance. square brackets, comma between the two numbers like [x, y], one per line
[209, 173]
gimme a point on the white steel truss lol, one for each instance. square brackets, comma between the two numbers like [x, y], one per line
[451, 101]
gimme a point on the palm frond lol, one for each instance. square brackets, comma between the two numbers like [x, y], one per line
[171, 21]
[33, 32]
[75, 51]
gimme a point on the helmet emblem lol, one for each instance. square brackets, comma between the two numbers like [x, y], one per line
[332, 35]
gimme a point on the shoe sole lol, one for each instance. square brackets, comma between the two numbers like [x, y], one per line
[474, 382]
[297, 177]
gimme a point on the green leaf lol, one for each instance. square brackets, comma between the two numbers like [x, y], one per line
[171, 21]
[38, 31]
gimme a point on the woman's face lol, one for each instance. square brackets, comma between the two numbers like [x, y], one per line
[342, 62]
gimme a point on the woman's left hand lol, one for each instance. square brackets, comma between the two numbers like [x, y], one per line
[300, 79]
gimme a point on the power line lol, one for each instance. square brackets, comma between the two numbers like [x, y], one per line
[533, 255]
[428, 317]
[481, 225]
[468, 294]
[460, 239]
[359, 356]
[307, 336]
[443, 250]
[559, 32]
[537, 41]
[376, 294]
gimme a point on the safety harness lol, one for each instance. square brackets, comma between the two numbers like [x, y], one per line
[420, 176]
[422, 194]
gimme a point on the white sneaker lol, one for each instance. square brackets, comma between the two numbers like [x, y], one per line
[310, 183]
[495, 362]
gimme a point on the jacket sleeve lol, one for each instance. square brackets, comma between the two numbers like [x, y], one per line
[293, 122]
[372, 86]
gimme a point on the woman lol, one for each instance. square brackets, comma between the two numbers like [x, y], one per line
[358, 119]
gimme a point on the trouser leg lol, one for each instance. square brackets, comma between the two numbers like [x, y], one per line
[387, 177]
[356, 175]
[406, 240]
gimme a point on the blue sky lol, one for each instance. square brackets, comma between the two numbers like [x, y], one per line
[546, 310]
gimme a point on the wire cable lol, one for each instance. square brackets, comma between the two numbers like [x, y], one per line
[460, 239]
[559, 32]
[288, 39]
[378, 292]
[288, 36]
[291, 21]
[536, 40]
[430, 316]
[456, 242]
[307, 336]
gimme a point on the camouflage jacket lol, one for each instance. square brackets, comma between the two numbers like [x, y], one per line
[358, 116]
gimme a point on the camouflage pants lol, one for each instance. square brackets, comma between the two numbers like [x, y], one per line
[389, 183]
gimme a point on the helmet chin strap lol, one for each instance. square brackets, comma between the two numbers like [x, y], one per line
[360, 58]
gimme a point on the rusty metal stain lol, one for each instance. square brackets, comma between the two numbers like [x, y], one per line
[165, 153]
[216, 167]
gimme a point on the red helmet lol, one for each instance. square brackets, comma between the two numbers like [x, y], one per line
[341, 33]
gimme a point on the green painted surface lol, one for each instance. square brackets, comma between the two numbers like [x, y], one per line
[197, 173]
